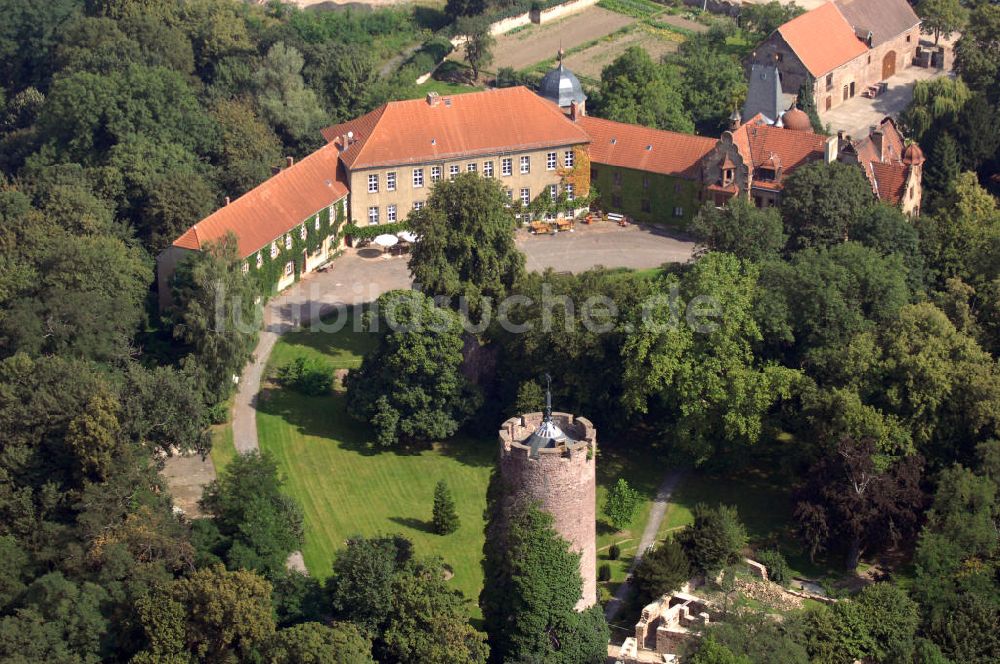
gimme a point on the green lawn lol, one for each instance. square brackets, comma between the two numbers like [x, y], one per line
[223, 450]
[346, 489]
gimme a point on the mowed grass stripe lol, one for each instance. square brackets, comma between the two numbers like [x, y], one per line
[347, 489]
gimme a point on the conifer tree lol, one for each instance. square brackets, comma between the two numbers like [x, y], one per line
[445, 517]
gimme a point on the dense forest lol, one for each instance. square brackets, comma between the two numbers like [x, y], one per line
[868, 338]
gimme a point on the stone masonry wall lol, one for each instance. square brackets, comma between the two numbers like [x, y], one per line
[562, 480]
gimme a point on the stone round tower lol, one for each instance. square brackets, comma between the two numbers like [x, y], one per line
[549, 458]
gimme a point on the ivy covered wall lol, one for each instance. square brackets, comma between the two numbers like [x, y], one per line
[272, 270]
[663, 192]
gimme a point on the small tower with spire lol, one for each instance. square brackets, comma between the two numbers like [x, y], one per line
[550, 458]
[562, 87]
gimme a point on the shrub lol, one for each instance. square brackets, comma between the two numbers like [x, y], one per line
[604, 573]
[308, 376]
[777, 566]
[614, 552]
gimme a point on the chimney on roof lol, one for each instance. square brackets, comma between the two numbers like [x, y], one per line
[289, 161]
[574, 111]
[227, 200]
[433, 98]
[831, 148]
[876, 135]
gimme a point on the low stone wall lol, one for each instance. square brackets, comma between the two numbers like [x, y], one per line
[565, 9]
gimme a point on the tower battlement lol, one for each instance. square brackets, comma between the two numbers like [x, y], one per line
[580, 432]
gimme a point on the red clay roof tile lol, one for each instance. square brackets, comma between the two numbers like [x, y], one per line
[414, 131]
[645, 149]
[274, 207]
[822, 39]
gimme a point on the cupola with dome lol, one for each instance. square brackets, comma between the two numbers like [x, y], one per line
[562, 87]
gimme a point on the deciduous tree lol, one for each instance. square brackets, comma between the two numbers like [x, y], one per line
[410, 387]
[466, 246]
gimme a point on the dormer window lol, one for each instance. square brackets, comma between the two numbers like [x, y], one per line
[727, 176]
[766, 174]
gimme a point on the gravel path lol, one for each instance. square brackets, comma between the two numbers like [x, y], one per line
[663, 493]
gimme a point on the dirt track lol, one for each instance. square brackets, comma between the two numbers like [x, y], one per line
[541, 42]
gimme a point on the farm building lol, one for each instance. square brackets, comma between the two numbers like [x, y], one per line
[843, 48]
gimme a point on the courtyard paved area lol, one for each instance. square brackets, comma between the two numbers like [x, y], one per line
[855, 116]
[603, 244]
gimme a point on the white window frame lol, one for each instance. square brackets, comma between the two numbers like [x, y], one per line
[553, 191]
[289, 268]
[418, 178]
[390, 181]
[288, 241]
[373, 215]
[678, 211]
[274, 249]
[506, 166]
[260, 259]
[302, 233]
[471, 167]
[390, 213]
[525, 164]
[435, 173]
[373, 183]
[568, 159]
[316, 225]
[568, 188]
[551, 161]
[453, 171]
[418, 205]
[488, 169]
[525, 196]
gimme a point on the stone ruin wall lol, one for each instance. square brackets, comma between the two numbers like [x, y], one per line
[562, 480]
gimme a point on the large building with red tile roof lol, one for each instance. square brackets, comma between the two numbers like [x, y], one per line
[283, 228]
[648, 174]
[393, 156]
[843, 48]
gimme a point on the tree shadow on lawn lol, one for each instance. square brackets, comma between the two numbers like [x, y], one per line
[339, 339]
[327, 417]
[416, 524]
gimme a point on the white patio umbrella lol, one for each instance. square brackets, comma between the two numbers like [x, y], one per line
[385, 240]
[407, 236]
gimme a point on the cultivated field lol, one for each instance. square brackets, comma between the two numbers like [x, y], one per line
[588, 63]
[523, 48]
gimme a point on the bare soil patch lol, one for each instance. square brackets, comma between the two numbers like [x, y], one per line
[524, 48]
[589, 62]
